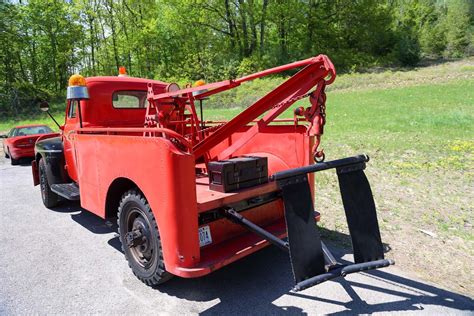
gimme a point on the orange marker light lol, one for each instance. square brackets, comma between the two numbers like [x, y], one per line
[199, 83]
[122, 71]
[77, 80]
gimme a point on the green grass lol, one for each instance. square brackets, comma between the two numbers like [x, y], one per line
[398, 118]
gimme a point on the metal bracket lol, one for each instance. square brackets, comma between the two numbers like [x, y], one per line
[351, 168]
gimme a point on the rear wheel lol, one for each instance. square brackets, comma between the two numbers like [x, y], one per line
[14, 161]
[50, 199]
[140, 239]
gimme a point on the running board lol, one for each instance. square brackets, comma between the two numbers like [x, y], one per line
[69, 191]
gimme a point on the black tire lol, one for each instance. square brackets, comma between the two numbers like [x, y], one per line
[50, 199]
[14, 162]
[6, 154]
[140, 239]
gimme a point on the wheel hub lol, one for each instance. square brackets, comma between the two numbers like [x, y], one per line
[139, 240]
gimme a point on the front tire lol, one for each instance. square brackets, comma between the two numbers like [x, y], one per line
[140, 239]
[50, 199]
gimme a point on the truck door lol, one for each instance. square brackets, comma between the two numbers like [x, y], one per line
[72, 123]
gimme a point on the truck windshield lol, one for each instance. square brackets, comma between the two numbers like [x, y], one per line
[32, 130]
[129, 99]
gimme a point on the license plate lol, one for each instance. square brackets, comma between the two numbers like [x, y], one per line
[204, 236]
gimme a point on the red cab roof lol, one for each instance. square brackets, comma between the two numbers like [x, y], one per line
[30, 125]
[123, 79]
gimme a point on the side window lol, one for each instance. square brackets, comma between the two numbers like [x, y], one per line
[72, 109]
[129, 99]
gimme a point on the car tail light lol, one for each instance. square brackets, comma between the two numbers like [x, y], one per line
[24, 142]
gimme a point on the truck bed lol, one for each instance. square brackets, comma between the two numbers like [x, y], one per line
[208, 199]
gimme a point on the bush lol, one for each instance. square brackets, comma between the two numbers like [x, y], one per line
[433, 40]
[457, 33]
[408, 49]
[22, 97]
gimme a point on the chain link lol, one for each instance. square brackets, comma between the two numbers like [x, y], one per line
[283, 103]
[207, 129]
[291, 100]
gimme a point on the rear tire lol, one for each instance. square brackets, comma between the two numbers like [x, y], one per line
[14, 162]
[50, 199]
[140, 239]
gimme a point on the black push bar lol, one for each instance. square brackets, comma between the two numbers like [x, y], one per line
[342, 271]
[320, 166]
[239, 219]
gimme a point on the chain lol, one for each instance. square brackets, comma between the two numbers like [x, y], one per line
[283, 103]
[207, 129]
[291, 100]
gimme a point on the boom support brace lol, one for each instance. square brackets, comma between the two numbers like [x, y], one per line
[311, 261]
[314, 74]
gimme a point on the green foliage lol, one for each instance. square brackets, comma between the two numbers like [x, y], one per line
[457, 32]
[408, 49]
[22, 98]
[43, 42]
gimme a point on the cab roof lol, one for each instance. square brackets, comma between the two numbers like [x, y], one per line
[123, 79]
[30, 125]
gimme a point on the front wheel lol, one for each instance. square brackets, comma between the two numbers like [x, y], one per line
[140, 239]
[50, 199]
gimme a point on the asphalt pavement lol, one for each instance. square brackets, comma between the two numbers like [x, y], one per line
[67, 260]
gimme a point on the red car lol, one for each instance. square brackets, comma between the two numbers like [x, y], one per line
[20, 141]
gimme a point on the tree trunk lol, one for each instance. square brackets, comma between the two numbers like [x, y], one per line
[253, 27]
[243, 26]
[110, 8]
[282, 38]
[230, 24]
[262, 26]
[92, 44]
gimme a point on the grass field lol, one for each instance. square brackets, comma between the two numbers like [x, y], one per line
[418, 128]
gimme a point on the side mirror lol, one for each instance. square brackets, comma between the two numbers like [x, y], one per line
[44, 106]
[3, 136]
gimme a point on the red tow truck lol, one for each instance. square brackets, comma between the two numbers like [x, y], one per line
[192, 195]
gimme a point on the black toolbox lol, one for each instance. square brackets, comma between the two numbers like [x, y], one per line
[237, 173]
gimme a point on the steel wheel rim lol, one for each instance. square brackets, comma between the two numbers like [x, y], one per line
[143, 252]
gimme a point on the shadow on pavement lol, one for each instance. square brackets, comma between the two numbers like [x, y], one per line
[251, 285]
[86, 219]
[25, 162]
